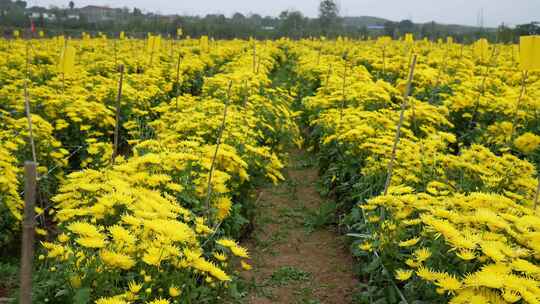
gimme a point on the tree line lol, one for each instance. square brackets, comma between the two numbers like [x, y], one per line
[290, 23]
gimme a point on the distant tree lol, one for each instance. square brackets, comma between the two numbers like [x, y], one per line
[505, 34]
[71, 5]
[390, 28]
[238, 18]
[292, 24]
[255, 19]
[328, 16]
[429, 30]
[137, 12]
[532, 28]
[5, 4]
[405, 26]
[20, 4]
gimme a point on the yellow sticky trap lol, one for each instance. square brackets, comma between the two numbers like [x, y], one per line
[204, 42]
[154, 44]
[16, 33]
[481, 49]
[150, 43]
[529, 52]
[67, 61]
[179, 32]
[61, 41]
[41, 34]
[122, 35]
[450, 40]
[157, 43]
[409, 38]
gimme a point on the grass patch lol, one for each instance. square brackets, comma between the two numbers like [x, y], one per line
[288, 274]
[320, 217]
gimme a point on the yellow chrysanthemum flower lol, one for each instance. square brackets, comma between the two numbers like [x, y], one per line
[403, 275]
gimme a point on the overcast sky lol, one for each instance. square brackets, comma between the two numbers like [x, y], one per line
[445, 11]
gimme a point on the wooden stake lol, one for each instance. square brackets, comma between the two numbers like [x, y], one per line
[117, 127]
[28, 226]
[27, 109]
[400, 123]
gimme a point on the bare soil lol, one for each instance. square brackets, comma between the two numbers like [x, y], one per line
[291, 263]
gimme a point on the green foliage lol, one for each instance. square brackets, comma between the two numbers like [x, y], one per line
[320, 217]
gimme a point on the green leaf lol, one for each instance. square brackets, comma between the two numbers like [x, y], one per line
[373, 265]
[61, 292]
[82, 296]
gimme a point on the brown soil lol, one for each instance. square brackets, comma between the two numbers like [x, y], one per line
[281, 243]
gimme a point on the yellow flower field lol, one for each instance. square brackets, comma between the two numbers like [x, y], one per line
[202, 123]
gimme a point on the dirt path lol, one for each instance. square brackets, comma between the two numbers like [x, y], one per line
[296, 257]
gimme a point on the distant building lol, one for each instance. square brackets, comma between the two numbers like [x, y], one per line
[375, 27]
[73, 16]
[37, 12]
[96, 14]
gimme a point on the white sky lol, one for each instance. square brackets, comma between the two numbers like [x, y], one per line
[444, 11]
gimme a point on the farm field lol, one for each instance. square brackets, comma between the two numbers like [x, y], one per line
[286, 171]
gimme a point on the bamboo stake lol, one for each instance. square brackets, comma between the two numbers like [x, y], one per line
[520, 98]
[115, 52]
[537, 194]
[254, 57]
[384, 61]
[400, 123]
[171, 49]
[441, 69]
[117, 126]
[28, 226]
[152, 51]
[246, 93]
[178, 78]
[328, 74]
[218, 143]
[63, 70]
[482, 89]
[344, 79]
